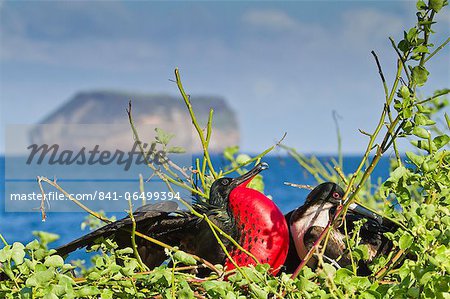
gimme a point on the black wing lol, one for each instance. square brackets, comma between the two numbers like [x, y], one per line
[143, 216]
[161, 222]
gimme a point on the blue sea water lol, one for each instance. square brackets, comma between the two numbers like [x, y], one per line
[18, 226]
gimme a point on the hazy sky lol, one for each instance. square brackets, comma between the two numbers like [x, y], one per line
[283, 66]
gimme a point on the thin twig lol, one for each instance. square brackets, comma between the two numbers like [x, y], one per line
[195, 123]
[142, 190]
[380, 72]
[383, 271]
[42, 206]
[438, 94]
[133, 237]
[257, 157]
[437, 49]
[401, 57]
[3, 240]
[300, 186]
[70, 197]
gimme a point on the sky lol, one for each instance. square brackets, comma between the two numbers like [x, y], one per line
[282, 66]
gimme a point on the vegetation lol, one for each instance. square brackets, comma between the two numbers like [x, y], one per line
[416, 195]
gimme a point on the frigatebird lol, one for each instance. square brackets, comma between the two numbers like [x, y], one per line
[307, 222]
[245, 214]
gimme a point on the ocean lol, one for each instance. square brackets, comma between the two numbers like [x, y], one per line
[18, 226]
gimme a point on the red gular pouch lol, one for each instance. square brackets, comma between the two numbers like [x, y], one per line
[264, 231]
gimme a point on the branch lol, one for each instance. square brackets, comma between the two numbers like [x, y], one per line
[195, 123]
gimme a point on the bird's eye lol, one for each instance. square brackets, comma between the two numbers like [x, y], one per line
[225, 182]
[336, 195]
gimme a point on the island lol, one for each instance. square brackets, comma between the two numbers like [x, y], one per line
[100, 118]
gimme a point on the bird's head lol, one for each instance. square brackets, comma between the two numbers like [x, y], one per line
[326, 192]
[221, 188]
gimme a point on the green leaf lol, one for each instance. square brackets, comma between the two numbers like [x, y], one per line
[360, 283]
[40, 254]
[405, 241]
[436, 5]
[176, 150]
[420, 5]
[54, 261]
[429, 166]
[33, 245]
[421, 49]
[184, 258]
[229, 152]
[447, 119]
[416, 159]
[403, 45]
[50, 296]
[423, 144]
[404, 92]
[185, 291]
[88, 291]
[258, 292]
[162, 136]
[18, 253]
[215, 287]
[370, 294]
[421, 132]
[124, 251]
[411, 36]
[252, 274]
[5, 253]
[420, 75]
[398, 173]
[242, 158]
[94, 276]
[31, 282]
[43, 277]
[362, 251]
[423, 120]
[45, 237]
[107, 294]
[342, 276]
[441, 141]
[428, 211]
[414, 292]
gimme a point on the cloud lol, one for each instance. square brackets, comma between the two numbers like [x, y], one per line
[65, 20]
[89, 53]
[272, 19]
[367, 24]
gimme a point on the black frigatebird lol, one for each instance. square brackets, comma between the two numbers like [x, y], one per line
[308, 221]
[245, 214]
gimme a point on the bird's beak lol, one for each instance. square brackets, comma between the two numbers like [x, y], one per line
[335, 201]
[245, 179]
[366, 212]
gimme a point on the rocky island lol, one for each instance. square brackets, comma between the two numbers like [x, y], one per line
[100, 118]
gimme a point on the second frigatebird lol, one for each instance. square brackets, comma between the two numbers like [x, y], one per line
[308, 221]
[245, 214]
